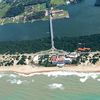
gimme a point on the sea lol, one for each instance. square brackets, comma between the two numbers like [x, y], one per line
[50, 86]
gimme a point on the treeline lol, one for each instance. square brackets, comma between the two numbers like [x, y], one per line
[25, 2]
[72, 43]
[36, 15]
[65, 43]
[14, 11]
[27, 46]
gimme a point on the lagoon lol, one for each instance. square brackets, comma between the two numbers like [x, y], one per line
[84, 20]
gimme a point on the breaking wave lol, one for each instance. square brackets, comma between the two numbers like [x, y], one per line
[15, 81]
[83, 76]
[56, 86]
[13, 75]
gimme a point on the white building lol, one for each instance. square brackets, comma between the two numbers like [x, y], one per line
[36, 59]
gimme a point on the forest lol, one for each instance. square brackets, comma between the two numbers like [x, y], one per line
[64, 43]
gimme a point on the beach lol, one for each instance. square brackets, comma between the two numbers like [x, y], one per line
[27, 69]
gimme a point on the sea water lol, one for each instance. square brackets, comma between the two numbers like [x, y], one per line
[50, 86]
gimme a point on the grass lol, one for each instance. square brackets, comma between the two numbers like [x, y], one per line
[3, 8]
[39, 7]
[57, 2]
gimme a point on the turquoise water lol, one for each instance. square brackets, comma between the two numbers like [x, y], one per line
[44, 87]
[84, 20]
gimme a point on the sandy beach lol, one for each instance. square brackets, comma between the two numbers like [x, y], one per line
[26, 69]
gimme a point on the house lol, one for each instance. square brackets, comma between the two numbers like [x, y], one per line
[36, 59]
[72, 55]
[54, 12]
[84, 49]
[68, 60]
[54, 60]
[58, 60]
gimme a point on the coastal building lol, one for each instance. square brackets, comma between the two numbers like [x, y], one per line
[15, 62]
[68, 60]
[72, 55]
[36, 59]
[67, 2]
[53, 12]
[27, 61]
[60, 60]
[46, 12]
[84, 49]
[54, 59]
[56, 13]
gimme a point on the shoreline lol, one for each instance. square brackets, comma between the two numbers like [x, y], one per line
[27, 70]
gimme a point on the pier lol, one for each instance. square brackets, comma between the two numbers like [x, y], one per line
[51, 31]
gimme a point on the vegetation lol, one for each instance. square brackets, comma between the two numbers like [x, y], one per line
[12, 11]
[12, 8]
[65, 43]
[44, 61]
[3, 9]
[87, 59]
[22, 60]
[57, 2]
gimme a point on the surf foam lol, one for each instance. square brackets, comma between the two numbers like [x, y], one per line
[83, 76]
[56, 86]
[13, 75]
[15, 81]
